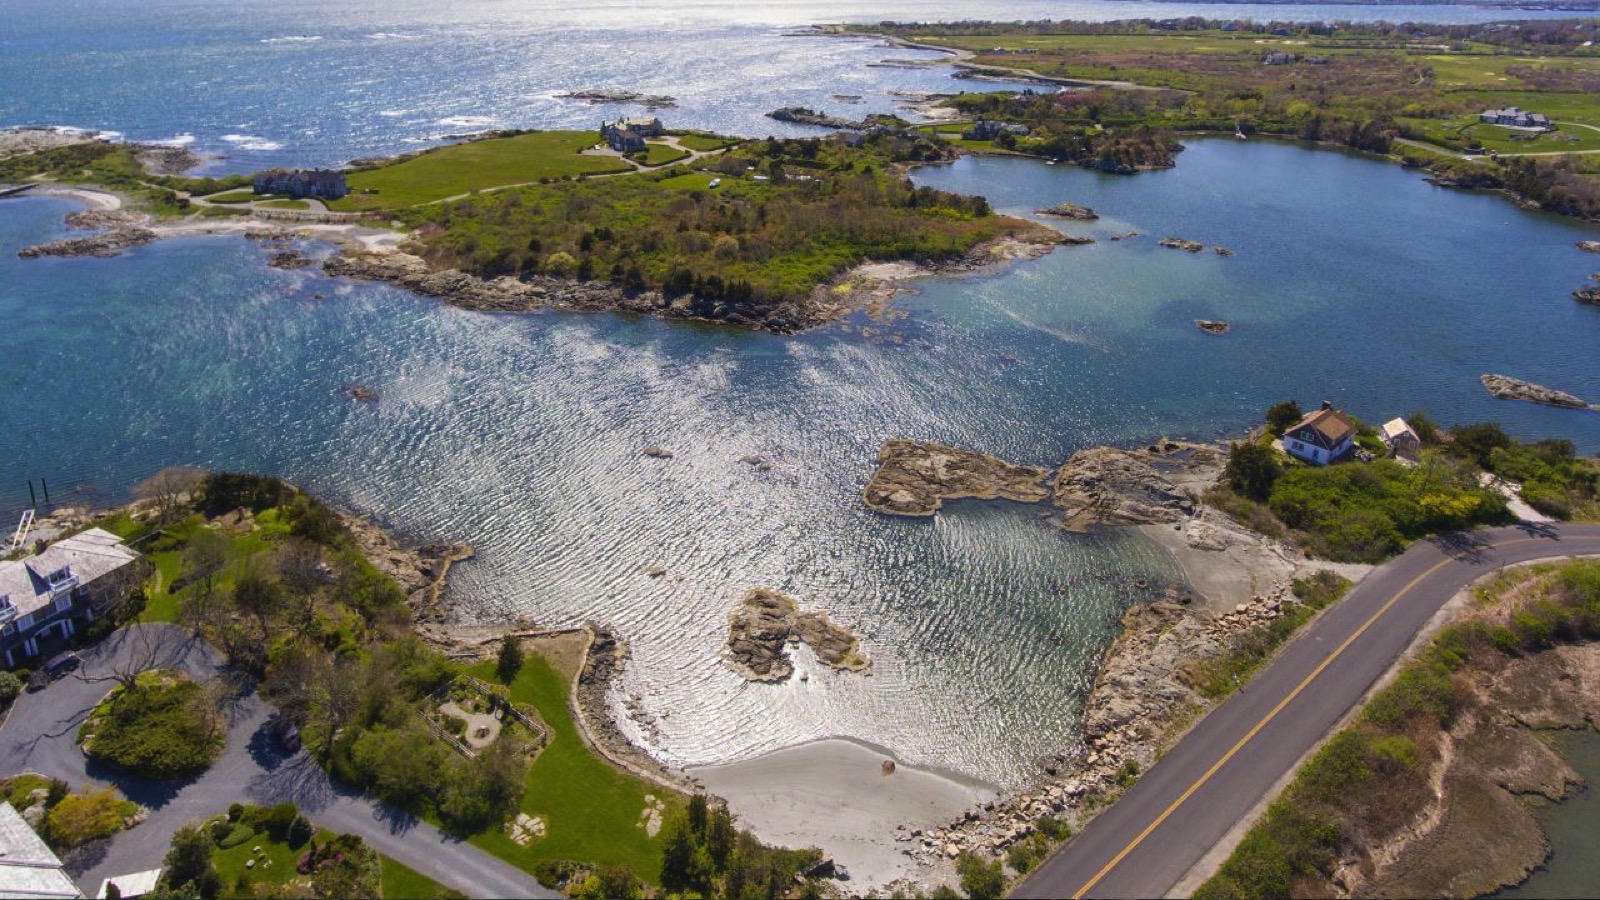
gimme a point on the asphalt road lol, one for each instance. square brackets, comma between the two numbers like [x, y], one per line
[40, 735]
[1188, 801]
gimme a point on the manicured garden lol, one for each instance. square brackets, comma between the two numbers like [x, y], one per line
[159, 725]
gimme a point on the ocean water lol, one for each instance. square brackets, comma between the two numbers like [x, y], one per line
[258, 83]
[521, 434]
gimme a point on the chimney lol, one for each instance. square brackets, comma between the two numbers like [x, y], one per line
[1327, 404]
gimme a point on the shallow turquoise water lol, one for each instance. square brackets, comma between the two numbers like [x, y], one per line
[521, 433]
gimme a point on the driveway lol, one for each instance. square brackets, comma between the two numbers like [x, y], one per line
[40, 736]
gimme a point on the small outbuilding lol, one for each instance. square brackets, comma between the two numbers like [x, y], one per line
[1400, 438]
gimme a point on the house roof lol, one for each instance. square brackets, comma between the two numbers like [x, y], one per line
[27, 867]
[1333, 425]
[134, 884]
[89, 554]
[1394, 428]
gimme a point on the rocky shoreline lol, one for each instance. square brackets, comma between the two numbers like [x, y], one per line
[826, 303]
[916, 478]
[105, 245]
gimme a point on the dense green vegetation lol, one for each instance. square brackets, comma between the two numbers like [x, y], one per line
[1372, 87]
[70, 818]
[160, 725]
[705, 855]
[1371, 778]
[1365, 512]
[112, 166]
[475, 165]
[1221, 676]
[788, 215]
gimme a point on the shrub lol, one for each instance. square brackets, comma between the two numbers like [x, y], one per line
[280, 819]
[1252, 470]
[301, 831]
[235, 835]
[1053, 828]
[979, 879]
[509, 662]
[80, 818]
[1321, 588]
[10, 687]
[1283, 416]
[158, 730]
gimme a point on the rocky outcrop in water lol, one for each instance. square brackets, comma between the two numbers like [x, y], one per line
[1507, 388]
[915, 478]
[800, 115]
[97, 219]
[649, 101]
[1589, 293]
[106, 245]
[1182, 244]
[289, 259]
[1107, 486]
[1212, 326]
[1589, 246]
[760, 630]
[1069, 211]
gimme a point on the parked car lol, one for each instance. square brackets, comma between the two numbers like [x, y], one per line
[54, 668]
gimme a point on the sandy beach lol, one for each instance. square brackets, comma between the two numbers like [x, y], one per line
[833, 794]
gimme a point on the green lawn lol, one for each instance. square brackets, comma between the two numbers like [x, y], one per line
[275, 864]
[286, 204]
[591, 809]
[473, 166]
[242, 196]
[694, 181]
[401, 882]
[661, 154]
[705, 142]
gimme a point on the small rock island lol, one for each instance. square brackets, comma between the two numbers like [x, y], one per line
[760, 630]
[914, 478]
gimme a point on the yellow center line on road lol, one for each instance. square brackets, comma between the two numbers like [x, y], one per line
[1250, 735]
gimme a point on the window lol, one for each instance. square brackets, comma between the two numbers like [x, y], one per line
[24, 622]
[64, 604]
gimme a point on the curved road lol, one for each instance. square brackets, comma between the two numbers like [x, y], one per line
[1150, 838]
[40, 735]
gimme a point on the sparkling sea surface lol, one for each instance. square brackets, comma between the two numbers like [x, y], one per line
[521, 434]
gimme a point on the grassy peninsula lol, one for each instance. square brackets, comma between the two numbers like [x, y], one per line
[1414, 91]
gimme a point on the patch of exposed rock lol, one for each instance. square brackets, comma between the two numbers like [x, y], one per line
[289, 259]
[421, 571]
[648, 101]
[97, 219]
[1181, 244]
[1212, 326]
[1589, 246]
[104, 245]
[760, 630]
[800, 115]
[1507, 388]
[166, 160]
[1589, 293]
[915, 478]
[1107, 486]
[1069, 211]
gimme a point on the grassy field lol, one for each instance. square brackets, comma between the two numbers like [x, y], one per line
[705, 142]
[473, 166]
[245, 196]
[287, 204]
[591, 809]
[662, 154]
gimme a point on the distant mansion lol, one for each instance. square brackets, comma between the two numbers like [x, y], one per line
[51, 594]
[628, 135]
[988, 130]
[1322, 437]
[1515, 117]
[323, 184]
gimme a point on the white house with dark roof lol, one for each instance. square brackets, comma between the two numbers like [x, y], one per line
[1321, 437]
[1515, 117]
[27, 867]
[54, 592]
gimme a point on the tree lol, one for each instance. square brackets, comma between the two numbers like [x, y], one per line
[1252, 470]
[699, 815]
[1283, 416]
[1478, 442]
[981, 880]
[509, 662]
[10, 687]
[677, 855]
[168, 488]
[189, 863]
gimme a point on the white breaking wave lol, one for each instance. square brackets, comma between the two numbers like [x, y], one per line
[466, 121]
[393, 36]
[251, 142]
[177, 140]
[393, 113]
[292, 39]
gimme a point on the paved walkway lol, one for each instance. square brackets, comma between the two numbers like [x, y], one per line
[41, 736]
[1148, 840]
